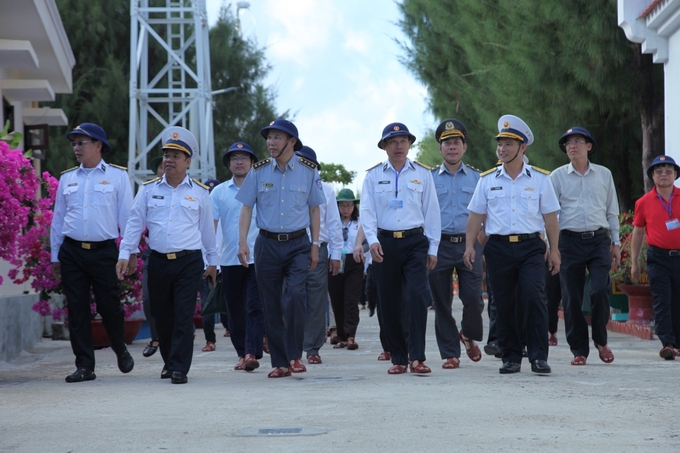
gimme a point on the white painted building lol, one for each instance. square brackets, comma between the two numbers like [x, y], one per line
[36, 61]
[655, 25]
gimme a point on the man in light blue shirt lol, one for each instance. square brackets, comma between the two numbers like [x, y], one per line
[455, 183]
[246, 321]
[287, 191]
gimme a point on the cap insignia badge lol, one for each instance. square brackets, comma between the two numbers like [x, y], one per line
[272, 123]
[175, 135]
[662, 158]
[506, 124]
[449, 125]
[396, 128]
[239, 146]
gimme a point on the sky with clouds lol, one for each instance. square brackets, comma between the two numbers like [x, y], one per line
[335, 66]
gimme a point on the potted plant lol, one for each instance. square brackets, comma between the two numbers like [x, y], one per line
[640, 302]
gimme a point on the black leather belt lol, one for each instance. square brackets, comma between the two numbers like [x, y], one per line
[514, 237]
[91, 245]
[664, 251]
[455, 238]
[400, 234]
[585, 234]
[282, 237]
[174, 255]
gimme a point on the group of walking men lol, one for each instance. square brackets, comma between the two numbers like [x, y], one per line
[421, 225]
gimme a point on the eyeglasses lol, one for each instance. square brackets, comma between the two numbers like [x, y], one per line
[238, 158]
[662, 171]
[575, 142]
[80, 143]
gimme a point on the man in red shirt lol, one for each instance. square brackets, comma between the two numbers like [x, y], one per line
[656, 214]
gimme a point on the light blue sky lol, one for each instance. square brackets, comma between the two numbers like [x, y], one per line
[335, 65]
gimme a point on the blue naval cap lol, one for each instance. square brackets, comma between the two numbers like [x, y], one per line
[94, 131]
[577, 130]
[286, 126]
[395, 130]
[181, 139]
[212, 183]
[663, 160]
[510, 126]
[309, 153]
[240, 147]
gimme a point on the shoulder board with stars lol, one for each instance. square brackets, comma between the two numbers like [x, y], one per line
[473, 168]
[426, 167]
[261, 163]
[307, 163]
[540, 170]
[70, 169]
[489, 171]
[118, 166]
[376, 165]
[437, 167]
[200, 184]
[150, 181]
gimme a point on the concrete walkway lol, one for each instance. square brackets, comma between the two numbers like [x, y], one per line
[630, 405]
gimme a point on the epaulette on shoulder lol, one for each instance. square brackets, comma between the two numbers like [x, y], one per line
[307, 163]
[540, 170]
[426, 167]
[376, 165]
[119, 166]
[200, 184]
[489, 171]
[69, 169]
[473, 168]
[259, 164]
[437, 167]
[150, 181]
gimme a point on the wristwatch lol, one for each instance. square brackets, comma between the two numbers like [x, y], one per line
[317, 243]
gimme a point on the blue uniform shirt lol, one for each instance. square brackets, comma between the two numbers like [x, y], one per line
[283, 198]
[454, 192]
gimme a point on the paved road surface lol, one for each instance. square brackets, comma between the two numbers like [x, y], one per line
[630, 405]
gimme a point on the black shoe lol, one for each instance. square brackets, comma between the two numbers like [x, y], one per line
[525, 353]
[540, 367]
[179, 378]
[125, 362]
[166, 374]
[371, 312]
[494, 350]
[80, 375]
[150, 349]
[510, 367]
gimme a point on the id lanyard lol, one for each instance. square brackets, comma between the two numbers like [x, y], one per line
[669, 206]
[396, 185]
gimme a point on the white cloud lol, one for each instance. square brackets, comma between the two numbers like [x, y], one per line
[356, 41]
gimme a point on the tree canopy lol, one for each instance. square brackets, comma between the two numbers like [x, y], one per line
[554, 64]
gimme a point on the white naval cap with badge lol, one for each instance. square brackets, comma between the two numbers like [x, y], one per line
[181, 139]
[510, 126]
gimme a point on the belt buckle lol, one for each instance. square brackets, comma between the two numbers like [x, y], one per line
[398, 234]
[674, 253]
[588, 235]
[282, 237]
[171, 256]
[85, 245]
[513, 238]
